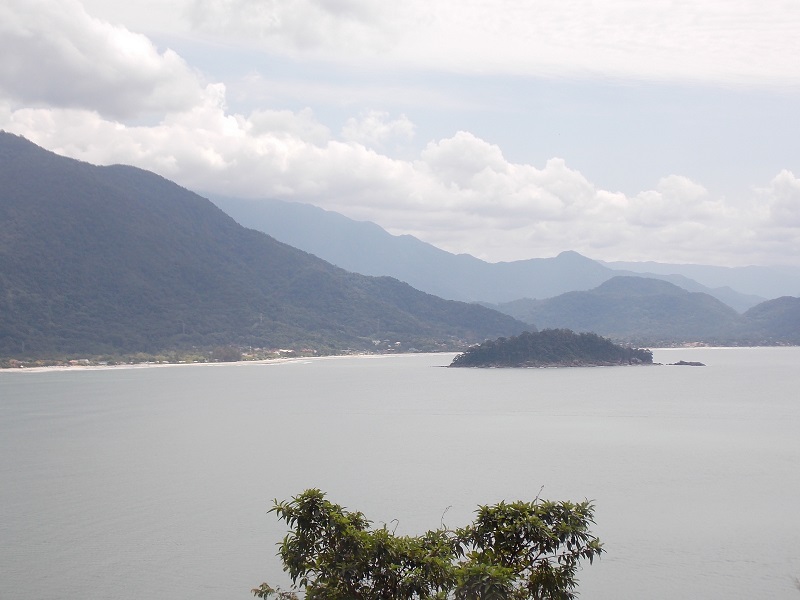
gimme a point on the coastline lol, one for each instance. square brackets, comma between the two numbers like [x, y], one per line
[294, 359]
[242, 363]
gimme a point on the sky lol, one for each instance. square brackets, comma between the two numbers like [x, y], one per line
[666, 130]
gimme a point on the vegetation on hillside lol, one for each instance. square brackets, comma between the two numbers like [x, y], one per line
[512, 551]
[551, 347]
[649, 312]
[774, 322]
[116, 260]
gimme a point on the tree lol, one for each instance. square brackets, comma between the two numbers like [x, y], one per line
[226, 354]
[516, 551]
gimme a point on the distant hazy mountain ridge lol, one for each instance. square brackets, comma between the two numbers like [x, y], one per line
[659, 304]
[755, 281]
[650, 312]
[342, 241]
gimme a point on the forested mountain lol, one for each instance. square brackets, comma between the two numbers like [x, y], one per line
[774, 321]
[637, 309]
[97, 259]
[341, 241]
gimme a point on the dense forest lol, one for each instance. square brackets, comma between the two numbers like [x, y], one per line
[551, 347]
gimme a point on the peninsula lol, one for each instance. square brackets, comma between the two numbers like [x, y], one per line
[552, 348]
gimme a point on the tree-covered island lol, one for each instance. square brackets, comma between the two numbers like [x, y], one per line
[552, 348]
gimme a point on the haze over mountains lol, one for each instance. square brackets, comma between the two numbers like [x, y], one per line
[642, 303]
[101, 259]
[645, 311]
[342, 241]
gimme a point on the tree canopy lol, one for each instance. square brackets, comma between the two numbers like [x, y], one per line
[551, 347]
[512, 550]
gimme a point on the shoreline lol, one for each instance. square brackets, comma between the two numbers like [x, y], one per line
[292, 359]
[242, 363]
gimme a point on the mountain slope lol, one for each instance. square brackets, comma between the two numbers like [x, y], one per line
[342, 241]
[94, 259]
[774, 321]
[763, 282]
[640, 310]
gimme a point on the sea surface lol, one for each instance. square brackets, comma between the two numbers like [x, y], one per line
[154, 483]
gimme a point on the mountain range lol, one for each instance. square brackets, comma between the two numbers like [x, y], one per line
[646, 311]
[117, 259]
[341, 241]
[641, 303]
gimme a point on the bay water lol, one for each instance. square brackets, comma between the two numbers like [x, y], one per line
[132, 483]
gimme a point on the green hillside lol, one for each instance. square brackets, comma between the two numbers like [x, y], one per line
[636, 309]
[774, 321]
[100, 259]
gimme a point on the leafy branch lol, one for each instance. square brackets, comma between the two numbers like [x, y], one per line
[518, 550]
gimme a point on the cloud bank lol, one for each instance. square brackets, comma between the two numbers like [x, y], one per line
[460, 193]
[747, 41]
[98, 92]
[55, 54]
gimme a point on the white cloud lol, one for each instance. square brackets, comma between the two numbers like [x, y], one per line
[285, 123]
[783, 198]
[69, 81]
[676, 199]
[145, 16]
[748, 41]
[461, 159]
[295, 26]
[460, 193]
[55, 54]
[375, 128]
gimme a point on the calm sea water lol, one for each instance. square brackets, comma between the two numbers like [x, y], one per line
[154, 483]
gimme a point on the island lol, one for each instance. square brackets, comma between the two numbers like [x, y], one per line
[687, 363]
[552, 348]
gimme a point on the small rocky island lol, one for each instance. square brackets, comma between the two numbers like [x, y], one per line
[687, 363]
[552, 348]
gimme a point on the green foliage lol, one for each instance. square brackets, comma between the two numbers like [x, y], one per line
[226, 354]
[774, 321]
[559, 347]
[519, 550]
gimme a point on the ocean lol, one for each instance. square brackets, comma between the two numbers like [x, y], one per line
[132, 483]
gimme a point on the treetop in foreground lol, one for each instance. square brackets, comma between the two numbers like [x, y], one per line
[517, 550]
[551, 348]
